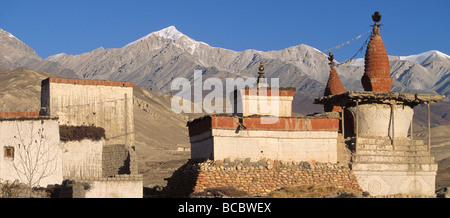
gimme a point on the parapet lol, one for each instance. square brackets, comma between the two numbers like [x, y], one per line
[319, 122]
[24, 115]
[87, 82]
[16, 114]
[282, 91]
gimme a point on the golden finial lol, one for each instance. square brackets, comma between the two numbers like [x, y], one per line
[261, 72]
[376, 17]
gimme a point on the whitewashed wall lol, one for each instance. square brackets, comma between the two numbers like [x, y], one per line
[110, 107]
[378, 120]
[122, 186]
[218, 144]
[247, 105]
[41, 137]
[82, 159]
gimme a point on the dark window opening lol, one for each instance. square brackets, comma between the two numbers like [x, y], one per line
[9, 152]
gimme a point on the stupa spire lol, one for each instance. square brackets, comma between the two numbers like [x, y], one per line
[376, 62]
[261, 81]
[334, 85]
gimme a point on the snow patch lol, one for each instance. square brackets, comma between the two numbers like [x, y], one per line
[417, 58]
[56, 57]
[357, 62]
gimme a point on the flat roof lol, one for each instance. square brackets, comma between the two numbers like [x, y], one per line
[87, 82]
[380, 97]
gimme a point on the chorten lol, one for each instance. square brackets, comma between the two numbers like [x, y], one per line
[334, 86]
[386, 160]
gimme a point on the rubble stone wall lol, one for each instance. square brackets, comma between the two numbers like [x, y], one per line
[116, 160]
[16, 189]
[258, 178]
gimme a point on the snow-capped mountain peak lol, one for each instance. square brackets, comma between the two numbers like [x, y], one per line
[169, 33]
[420, 58]
[3, 32]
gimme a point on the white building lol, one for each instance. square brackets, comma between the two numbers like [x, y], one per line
[31, 149]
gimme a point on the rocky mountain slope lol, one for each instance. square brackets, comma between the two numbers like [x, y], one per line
[14, 53]
[156, 59]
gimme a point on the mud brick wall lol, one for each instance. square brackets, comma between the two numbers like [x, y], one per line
[258, 178]
[106, 104]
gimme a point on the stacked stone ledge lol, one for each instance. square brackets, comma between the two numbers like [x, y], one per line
[259, 178]
[16, 189]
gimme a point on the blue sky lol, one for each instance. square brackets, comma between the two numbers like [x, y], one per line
[75, 27]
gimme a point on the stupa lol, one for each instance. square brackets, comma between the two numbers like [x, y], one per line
[386, 159]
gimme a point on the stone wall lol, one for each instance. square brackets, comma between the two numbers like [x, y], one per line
[16, 189]
[257, 178]
[116, 160]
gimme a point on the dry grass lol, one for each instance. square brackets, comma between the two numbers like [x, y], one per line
[306, 191]
[221, 192]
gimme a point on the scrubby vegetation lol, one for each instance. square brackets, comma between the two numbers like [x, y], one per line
[311, 191]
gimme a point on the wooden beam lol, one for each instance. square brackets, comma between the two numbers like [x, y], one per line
[356, 132]
[429, 127]
[411, 128]
[392, 125]
[342, 122]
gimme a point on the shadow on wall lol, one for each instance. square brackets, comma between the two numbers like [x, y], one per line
[125, 168]
[182, 182]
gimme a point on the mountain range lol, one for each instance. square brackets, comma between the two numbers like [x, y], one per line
[156, 59]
